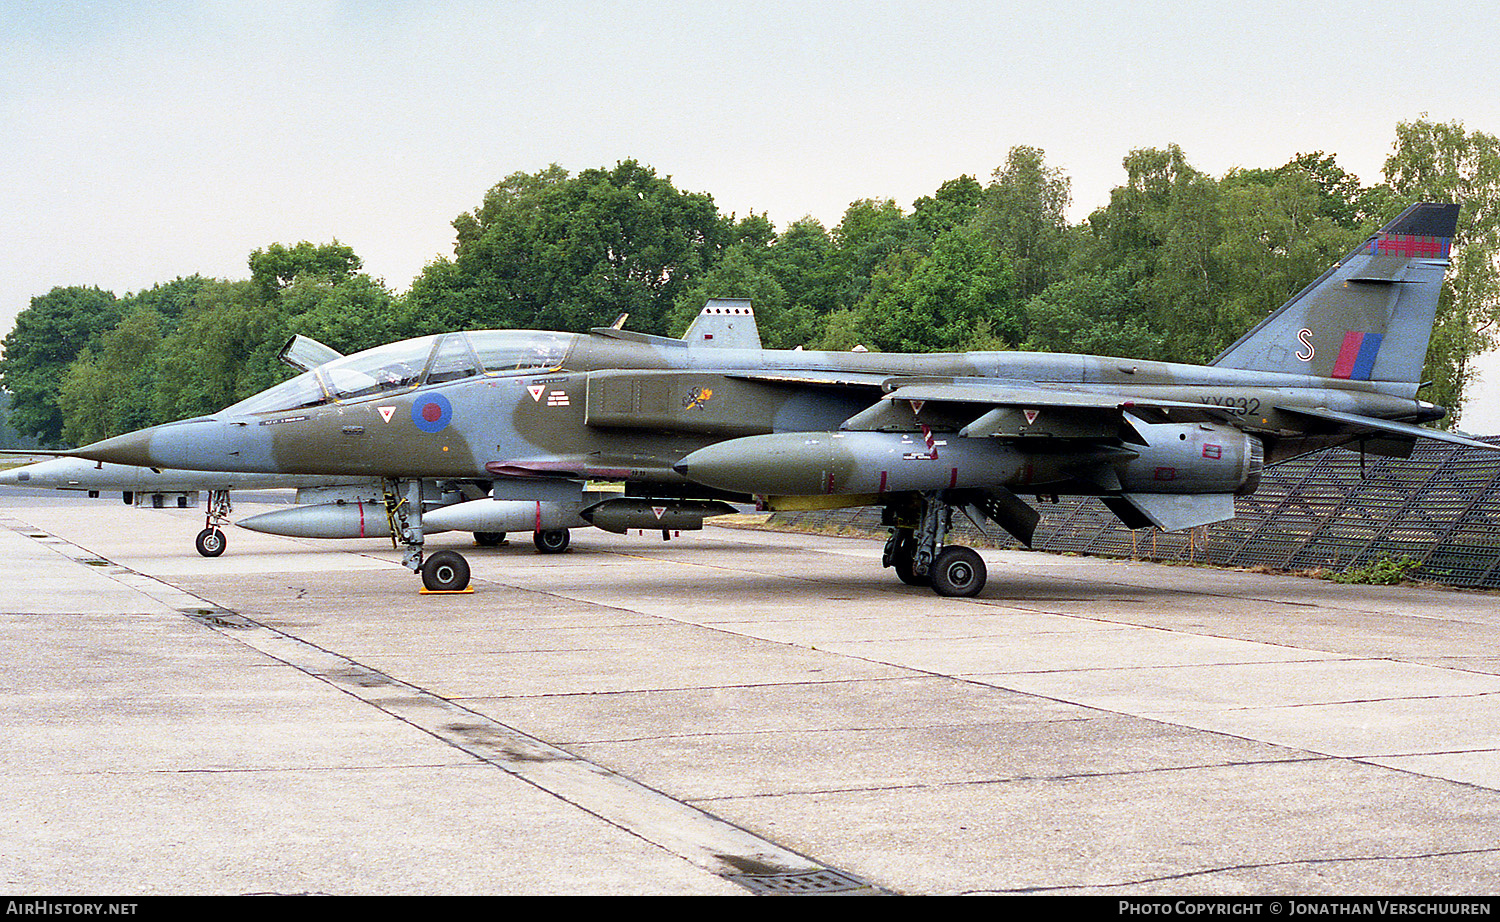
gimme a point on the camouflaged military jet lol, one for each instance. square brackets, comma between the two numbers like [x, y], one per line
[160, 487]
[691, 425]
[324, 507]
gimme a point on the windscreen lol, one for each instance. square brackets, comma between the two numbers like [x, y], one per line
[302, 391]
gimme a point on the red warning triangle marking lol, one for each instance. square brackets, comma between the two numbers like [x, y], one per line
[386, 412]
[536, 390]
[1031, 416]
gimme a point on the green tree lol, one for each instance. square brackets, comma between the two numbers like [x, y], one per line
[798, 259]
[1024, 215]
[9, 437]
[349, 314]
[1444, 162]
[871, 233]
[742, 273]
[1095, 314]
[960, 298]
[1135, 223]
[48, 336]
[553, 251]
[955, 203]
[1342, 199]
[277, 266]
[106, 390]
[1161, 228]
[223, 351]
[783, 275]
[1278, 230]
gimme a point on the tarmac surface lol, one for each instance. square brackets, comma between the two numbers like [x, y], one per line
[732, 712]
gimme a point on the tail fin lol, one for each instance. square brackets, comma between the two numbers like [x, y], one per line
[725, 323]
[1369, 317]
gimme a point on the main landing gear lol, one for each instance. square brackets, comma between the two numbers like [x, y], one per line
[551, 541]
[211, 541]
[917, 553]
[547, 541]
[444, 571]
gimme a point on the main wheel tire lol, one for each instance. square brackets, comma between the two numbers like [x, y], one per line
[902, 561]
[958, 571]
[489, 538]
[211, 542]
[445, 571]
[551, 541]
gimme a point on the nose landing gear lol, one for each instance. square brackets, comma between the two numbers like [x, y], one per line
[211, 541]
[444, 571]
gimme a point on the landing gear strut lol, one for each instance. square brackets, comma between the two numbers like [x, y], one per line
[917, 552]
[211, 541]
[444, 571]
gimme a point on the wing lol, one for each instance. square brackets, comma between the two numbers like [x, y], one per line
[1358, 426]
[1095, 435]
[985, 408]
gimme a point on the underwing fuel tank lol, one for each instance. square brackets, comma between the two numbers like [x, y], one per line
[324, 520]
[496, 515]
[1178, 458]
[369, 520]
[820, 463]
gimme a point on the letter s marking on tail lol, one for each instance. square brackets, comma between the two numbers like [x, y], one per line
[1305, 353]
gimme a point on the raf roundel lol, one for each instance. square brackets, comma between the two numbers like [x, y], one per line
[432, 413]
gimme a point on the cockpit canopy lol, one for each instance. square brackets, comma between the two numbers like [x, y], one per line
[401, 366]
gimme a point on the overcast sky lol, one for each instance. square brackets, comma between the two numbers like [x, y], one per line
[142, 141]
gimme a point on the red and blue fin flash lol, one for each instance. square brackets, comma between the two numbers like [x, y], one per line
[1357, 355]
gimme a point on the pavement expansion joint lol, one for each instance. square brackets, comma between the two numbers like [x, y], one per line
[679, 828]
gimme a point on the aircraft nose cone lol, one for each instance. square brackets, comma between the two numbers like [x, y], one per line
[130, 448]
[200, 444]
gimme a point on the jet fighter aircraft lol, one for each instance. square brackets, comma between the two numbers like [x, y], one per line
[325, 507]
[689, 424]
[140, 486]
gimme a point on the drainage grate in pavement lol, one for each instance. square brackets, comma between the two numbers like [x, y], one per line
[219, 617]
[803, 883]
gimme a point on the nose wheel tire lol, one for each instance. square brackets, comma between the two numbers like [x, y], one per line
[551, 541]
[211, 542]
[958, 571]
[445, 571]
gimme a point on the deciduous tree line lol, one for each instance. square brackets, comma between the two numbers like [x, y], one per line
[1176, 266]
